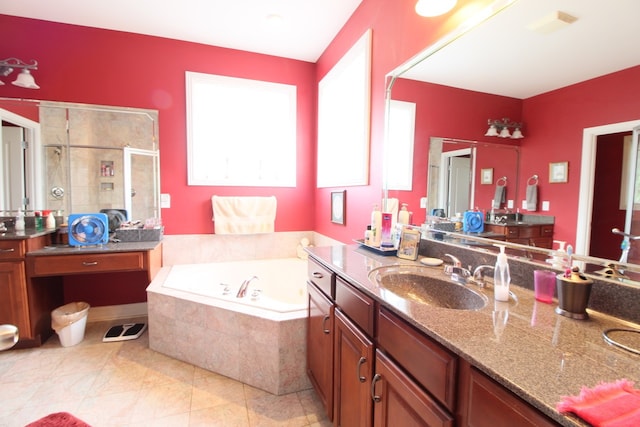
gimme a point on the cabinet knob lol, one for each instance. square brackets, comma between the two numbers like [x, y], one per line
[374, 396]
[8, 250]
[89, 263]
[317, 275]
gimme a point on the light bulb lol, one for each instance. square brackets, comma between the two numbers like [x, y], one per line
[431, 8]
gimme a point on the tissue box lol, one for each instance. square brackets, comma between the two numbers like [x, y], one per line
[139, 234]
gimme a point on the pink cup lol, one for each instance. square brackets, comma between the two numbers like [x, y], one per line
[544, 283]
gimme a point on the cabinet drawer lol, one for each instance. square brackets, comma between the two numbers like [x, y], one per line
[356, 305]
[529, 231]
[52, 265]
[546, 231]
[322, 277]
[11, 249]
[511, 231]
[432, 366]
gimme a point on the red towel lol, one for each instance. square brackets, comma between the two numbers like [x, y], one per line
[606, 405]
[59, 419]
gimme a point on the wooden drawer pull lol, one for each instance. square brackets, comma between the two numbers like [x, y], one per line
[361, 362]
[89, 263]
[8, 250]
[324, 320]
[374, 397]
[318, 275]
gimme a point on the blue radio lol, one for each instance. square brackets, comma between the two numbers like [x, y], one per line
[473, 222]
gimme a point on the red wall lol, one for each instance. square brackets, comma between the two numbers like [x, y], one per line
[554, 126]
[87, 65]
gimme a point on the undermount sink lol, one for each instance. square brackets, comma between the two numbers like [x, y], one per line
[414, 283]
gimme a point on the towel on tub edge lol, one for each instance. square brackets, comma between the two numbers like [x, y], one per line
[244, 215]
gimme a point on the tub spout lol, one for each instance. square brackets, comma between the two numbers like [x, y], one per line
[243, 288]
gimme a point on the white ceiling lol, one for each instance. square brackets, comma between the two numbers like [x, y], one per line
[505, 58]
[305, 30]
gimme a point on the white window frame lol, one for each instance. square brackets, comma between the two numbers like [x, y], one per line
[399, 146]
[240, 132]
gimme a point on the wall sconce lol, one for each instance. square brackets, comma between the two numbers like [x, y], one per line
[500, 128]
[431, 8]
[24, 79]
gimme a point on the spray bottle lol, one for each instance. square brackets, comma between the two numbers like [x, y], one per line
[501, 277]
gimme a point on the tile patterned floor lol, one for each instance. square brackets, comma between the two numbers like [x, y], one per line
[127, 384]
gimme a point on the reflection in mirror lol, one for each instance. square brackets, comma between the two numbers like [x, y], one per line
[455, 181]
[81, 159]
[540, 69]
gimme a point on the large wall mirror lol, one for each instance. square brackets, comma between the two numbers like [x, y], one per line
[78, 158]
[474, 58]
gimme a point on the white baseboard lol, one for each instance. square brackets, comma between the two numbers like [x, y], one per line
[115, 312]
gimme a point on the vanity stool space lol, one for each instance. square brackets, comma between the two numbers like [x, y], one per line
[35, 271]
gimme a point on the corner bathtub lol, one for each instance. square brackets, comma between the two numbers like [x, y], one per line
[260, 339]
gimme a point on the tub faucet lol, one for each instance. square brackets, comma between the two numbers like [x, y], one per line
[243, 288]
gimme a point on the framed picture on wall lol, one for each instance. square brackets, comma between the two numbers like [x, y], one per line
[338, 206]
[558, 172]
[486, 176]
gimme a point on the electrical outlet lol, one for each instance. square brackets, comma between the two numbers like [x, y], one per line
[510, 204]
[524, 204]
[423, 203]
[165, 200]
[545, 205]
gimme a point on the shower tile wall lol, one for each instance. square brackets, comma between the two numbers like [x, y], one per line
[73, 161]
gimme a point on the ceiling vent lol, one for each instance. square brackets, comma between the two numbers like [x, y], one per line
[552, 22]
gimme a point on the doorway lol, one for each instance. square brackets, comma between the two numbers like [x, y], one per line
[456, 190]
[587, 229]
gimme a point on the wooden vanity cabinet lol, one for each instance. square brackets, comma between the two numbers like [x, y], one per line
[353, 356]
[353, 372]
[14, 300]
[485, 403]
[320, 330]
[539, 235]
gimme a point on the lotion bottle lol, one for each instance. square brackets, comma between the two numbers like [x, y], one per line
[501, 277]
[403, 215]
[50, 222]
[376, 226]
[20, 221]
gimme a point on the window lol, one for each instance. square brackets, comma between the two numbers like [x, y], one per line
[343, 118]
[399, 145]
[240, 132]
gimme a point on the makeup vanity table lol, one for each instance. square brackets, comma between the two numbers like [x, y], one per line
[33, 272]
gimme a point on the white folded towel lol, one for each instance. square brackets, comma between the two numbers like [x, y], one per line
[532, 197]
[244, 215]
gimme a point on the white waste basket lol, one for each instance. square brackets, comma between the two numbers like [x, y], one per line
[69, 322]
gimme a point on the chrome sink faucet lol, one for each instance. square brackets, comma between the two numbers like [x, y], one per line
[458, 273]
[478, 275]
[243, 288]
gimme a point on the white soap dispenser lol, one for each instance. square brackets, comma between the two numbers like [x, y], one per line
[20, 221]
[501, 277]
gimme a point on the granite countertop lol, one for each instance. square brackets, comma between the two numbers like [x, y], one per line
[95, 249]
[538, 354]
[29, 233]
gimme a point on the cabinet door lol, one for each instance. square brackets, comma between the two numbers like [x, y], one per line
[485, 403]
[13, 297]
[397, 398]
[353, 370]
[320, 346]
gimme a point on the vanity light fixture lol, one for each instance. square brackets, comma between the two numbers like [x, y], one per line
[431, 8]
[500, 128]
[25, 78]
